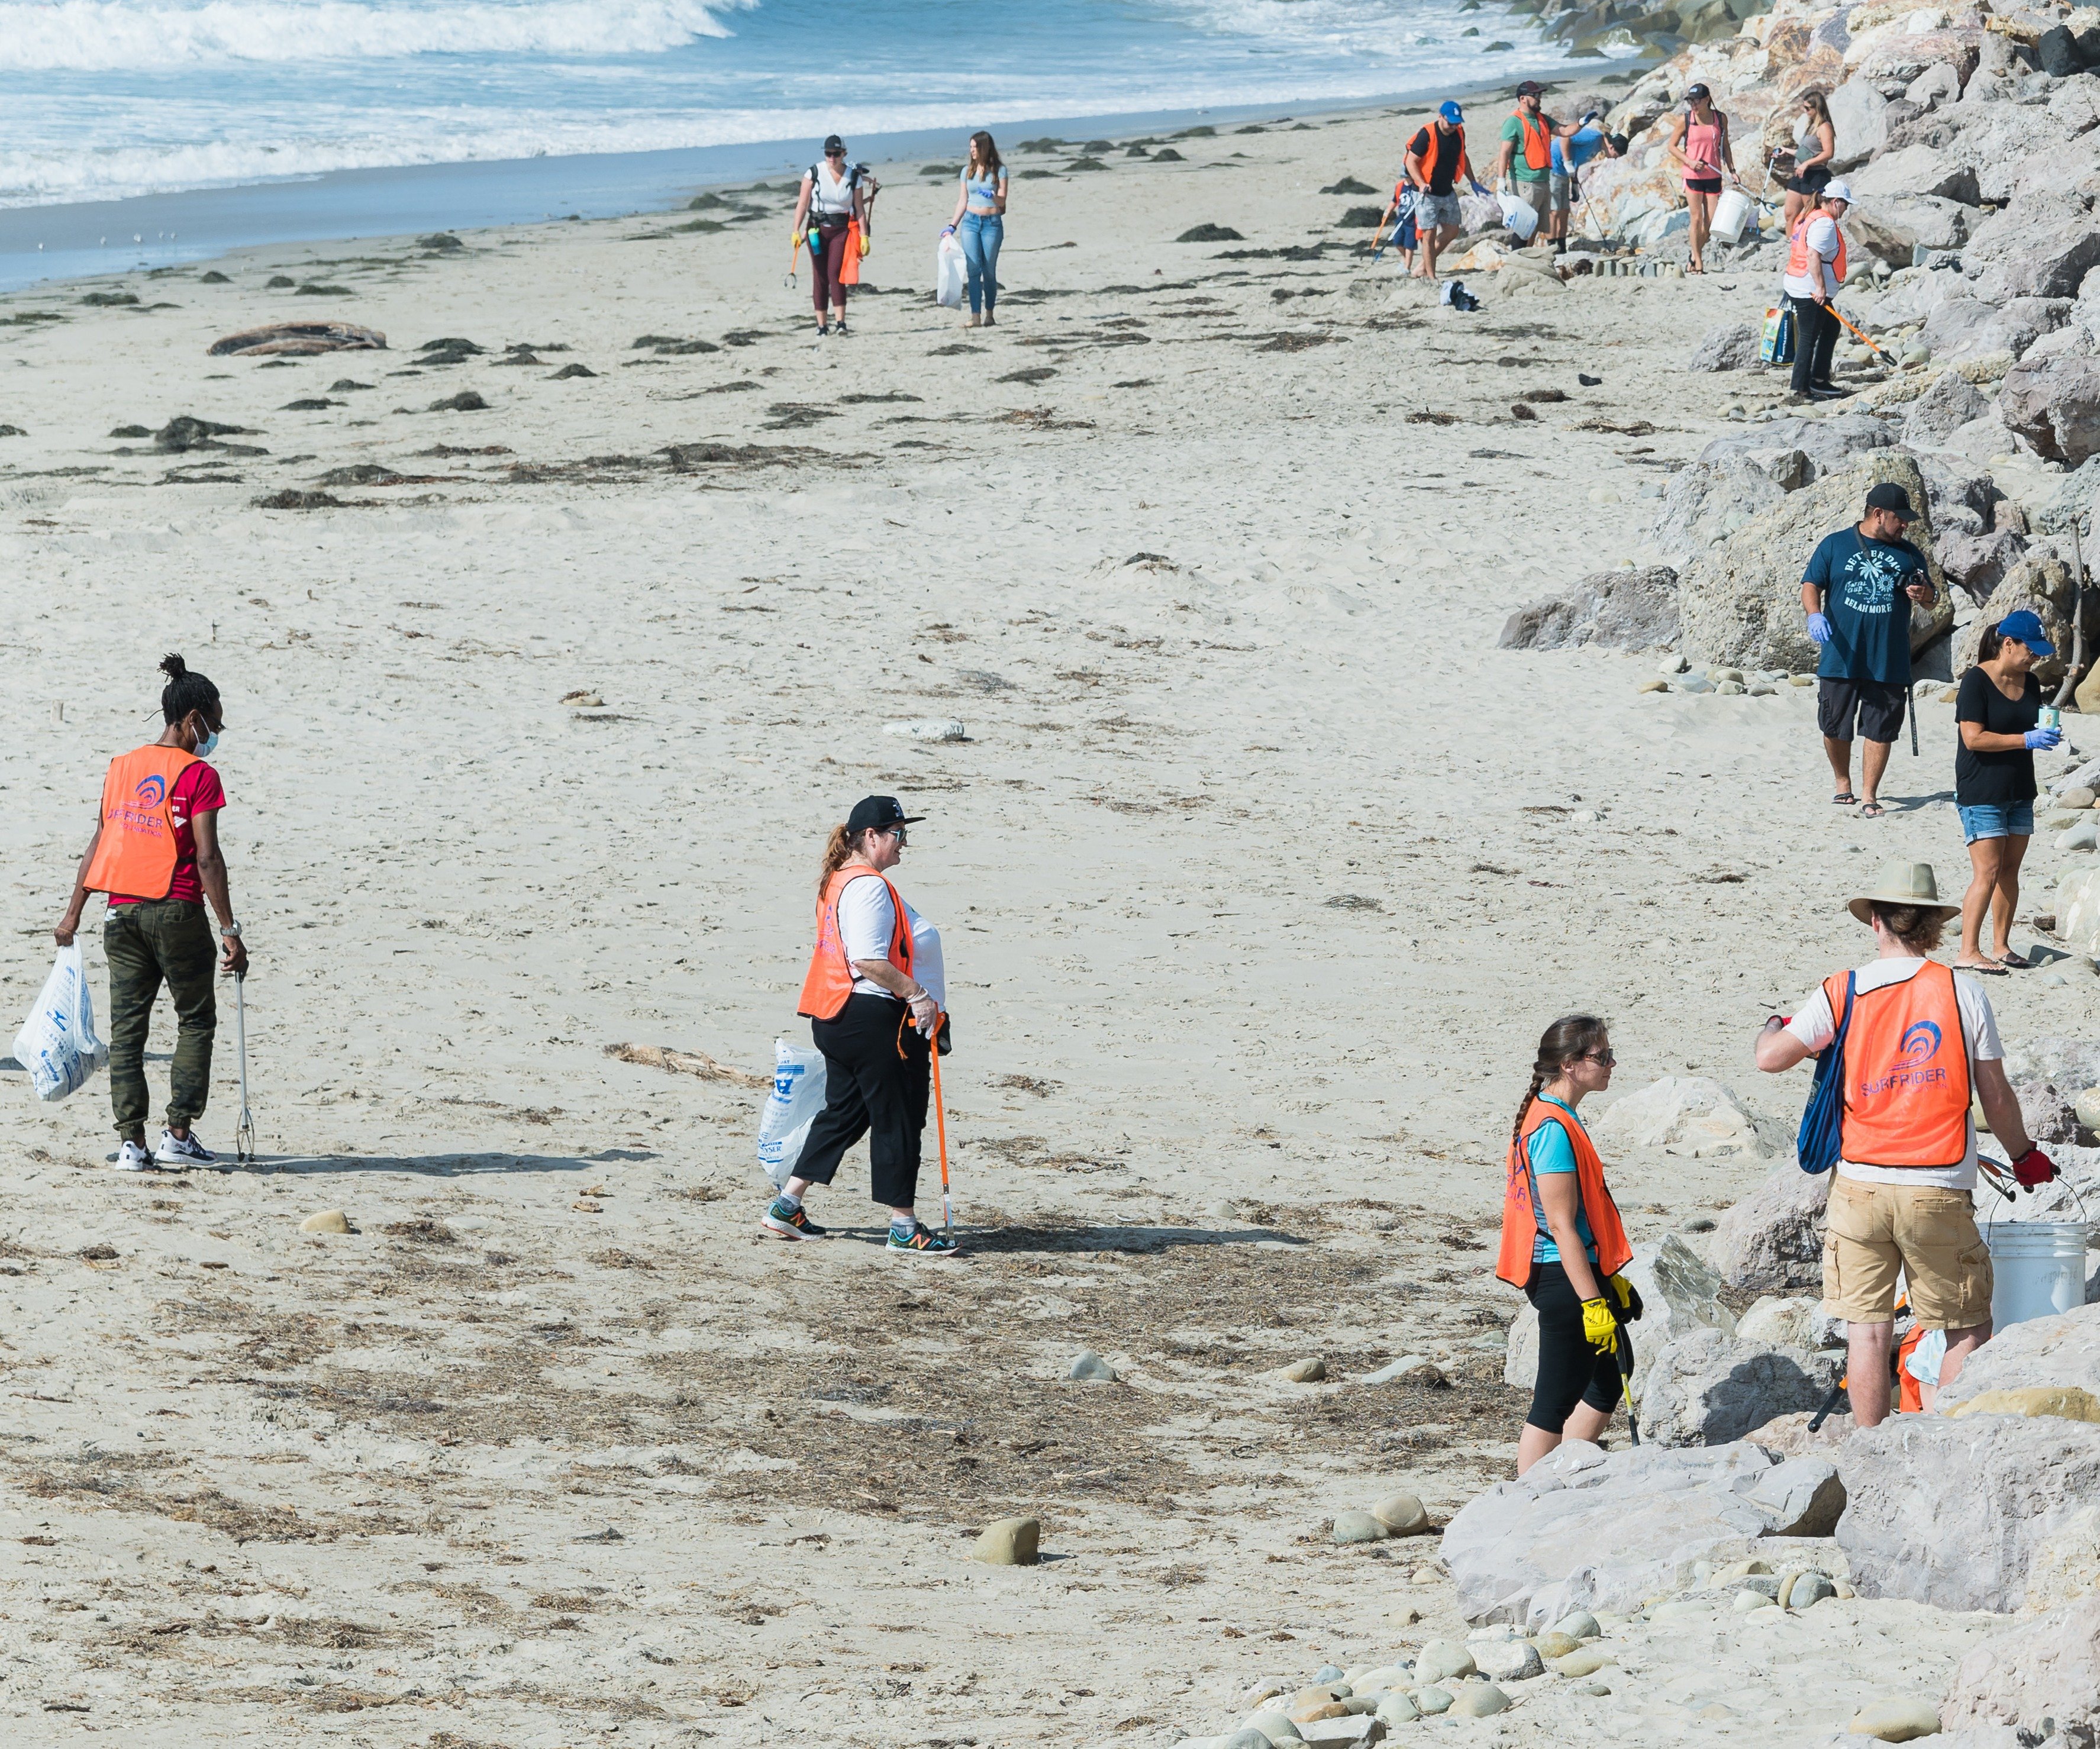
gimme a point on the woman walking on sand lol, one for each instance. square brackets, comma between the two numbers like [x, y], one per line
[874, 997]
[1699, 144]
[1997, 709]
[1815, 145]
[1563, 1244]
[979, 225]
[156, 853]
[831, 214]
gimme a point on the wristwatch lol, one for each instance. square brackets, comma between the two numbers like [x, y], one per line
[230, 928]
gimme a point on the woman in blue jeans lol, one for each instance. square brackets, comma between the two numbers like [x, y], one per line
[979, 225]
[1997, 709]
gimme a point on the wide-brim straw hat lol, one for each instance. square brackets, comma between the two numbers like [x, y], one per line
[1901, 883]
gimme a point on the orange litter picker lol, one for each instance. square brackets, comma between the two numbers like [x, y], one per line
[1869, 345]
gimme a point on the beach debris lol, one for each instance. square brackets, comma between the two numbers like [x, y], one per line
[1409, 1369]
[440, 243]
[1008, 1542]
[697, 1062]
[291, 498]
[1088, 1367]
[568, 370]
[466, 401]
[299, 339]
[185, 432]
[1206, 233]
[929, 728]
[327, 1221]
[313, 404]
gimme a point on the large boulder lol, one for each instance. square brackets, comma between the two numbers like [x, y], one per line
[1972, 327]
[1829, 443]
[1733, 346]
[1692, 1115]
[1952, 401]
[1708, 1388]
[1739, 600]
[2032, 1478]
[2044, 261]
[2042, 1676]
[1704, 501]
[2063, 1351]
[1915, 170]
[1679, 1292]
[1772, 1241]
[1860, 114]
[1616, 609]
[1583, 1529]
[1978, 563]
[1896, 227]
[2044, 587]
[2054, 403]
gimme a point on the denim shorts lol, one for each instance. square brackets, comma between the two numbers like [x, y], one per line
[2013, 820]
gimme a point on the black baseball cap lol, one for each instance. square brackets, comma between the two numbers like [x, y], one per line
[1697, 92]
[880, 813]
[1531, 88]
[1889, 496]
[833, 143]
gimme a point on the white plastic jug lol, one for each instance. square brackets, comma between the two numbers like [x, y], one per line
[1731, 215]
[2038, 1268]
[1518, 215]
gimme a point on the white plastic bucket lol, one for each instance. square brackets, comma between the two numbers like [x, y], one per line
[1519, 216]
[1732, 213]
[2038, 1268]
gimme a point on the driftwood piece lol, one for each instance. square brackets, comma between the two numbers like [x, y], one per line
[687, 1063]
[300, 338]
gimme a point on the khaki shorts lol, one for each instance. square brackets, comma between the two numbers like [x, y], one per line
[1874, 1230]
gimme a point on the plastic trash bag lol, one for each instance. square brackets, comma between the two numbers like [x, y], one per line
[797, 1096]
[1520, 217]
[951, 274]
[57, 1043]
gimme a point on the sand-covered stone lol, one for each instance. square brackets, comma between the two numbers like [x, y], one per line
[1897, 1720]
[1479, 1700]
[1442, 1659]
[1632, 610]
[1688, 1114]
[1401, 1515]
[328, 1221]
[1307, 1372]
[1358, 1527]
[1008, 1542]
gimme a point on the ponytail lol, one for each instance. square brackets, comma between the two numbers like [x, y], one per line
[1571, 1036]
[837, 847]
[185, 691]
[1538, 1080]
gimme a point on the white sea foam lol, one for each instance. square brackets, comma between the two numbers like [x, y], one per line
[94, 36]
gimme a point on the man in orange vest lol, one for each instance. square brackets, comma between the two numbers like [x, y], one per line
[1526, 169]
[1436, 160]
[1815, 268]
[156, 853]
[1919, 1039]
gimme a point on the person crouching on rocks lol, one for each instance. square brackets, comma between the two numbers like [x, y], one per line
[1563, 1244]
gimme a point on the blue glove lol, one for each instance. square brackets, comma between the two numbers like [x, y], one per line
[2041, 740]
[1818, 628]
[947, 231]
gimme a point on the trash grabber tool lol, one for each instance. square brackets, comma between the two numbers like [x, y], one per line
[1381, 239]
[1913, 714]
[941, 1128]
[244, 1133]
[1869, 345]
[1626, 1372]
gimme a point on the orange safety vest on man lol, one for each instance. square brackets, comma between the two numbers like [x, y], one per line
[1799, 258]
[1521, 1217]
[135, 856]
[831, 978]
[1537, 139]
[1906, 1086]
[1435, 156]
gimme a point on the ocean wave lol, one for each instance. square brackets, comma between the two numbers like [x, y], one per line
[102, 36]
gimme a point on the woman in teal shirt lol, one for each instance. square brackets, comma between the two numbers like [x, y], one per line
[980, 225]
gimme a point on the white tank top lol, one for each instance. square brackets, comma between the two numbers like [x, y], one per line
[830, 197]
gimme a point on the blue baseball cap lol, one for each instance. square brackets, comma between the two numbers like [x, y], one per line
[1451, 112]
[2023, 627]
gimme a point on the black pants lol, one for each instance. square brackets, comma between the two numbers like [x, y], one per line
[1814, 340]
[875, 1080]
[1570, 1371]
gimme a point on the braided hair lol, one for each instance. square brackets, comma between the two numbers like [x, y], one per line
[186, 692]
[1571, 1036]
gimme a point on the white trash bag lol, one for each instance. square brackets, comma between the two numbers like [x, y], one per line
[57, 1043]
[951, 273]
[1519, 217]
[797, 1096]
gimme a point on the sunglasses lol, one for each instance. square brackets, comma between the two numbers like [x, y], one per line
[1609, 1059]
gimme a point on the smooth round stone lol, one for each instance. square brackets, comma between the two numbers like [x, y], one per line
[1319, 1710]
[1477, 1700]
[1801, 680]
[1763, 1616]
[1401, 1515]
[1578, 1625]
[1427, 1575]
[1441, 1660]
[1316, 1695]
[1245, 1740]
[1328, 1673]
[1008, 1542]
[2077, 796]
[1718, 675]
[1742, 1570]
[1090, 1369]
[1308, 1371]
[1429, 1702]
[1809, 1587]
[328, 1221]
[1673, 665]
[1516, 1661]
[1397, 1709]
[1594, 1688]
[1655, 684]
[1586, 1663]
[1553, 1643]
[1747, 1600]
[1273, 1725]
[1729, 689]
[1896, 1719]
[1695, 683]
[1357, 1527]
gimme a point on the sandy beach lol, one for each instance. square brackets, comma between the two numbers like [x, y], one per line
[1260, 871]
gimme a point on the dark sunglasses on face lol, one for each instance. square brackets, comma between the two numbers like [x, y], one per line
[1609, 1059]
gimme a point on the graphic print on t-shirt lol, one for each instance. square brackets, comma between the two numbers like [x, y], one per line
[1862, 583]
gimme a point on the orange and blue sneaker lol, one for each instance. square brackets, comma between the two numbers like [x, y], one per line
[921, 1241]
[787, 1220]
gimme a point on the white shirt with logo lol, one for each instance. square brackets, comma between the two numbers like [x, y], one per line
[1814, 1025]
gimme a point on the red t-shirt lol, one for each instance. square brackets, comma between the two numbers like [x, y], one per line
[197, 790]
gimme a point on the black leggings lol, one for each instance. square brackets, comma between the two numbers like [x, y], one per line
[1570, 1371]
[1814, 340]
[875, 1080]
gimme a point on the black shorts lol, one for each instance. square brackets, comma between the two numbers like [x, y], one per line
[1878, 705]
[1813, 180]
[1703, 184]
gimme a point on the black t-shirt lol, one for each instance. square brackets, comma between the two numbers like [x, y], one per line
[1447, 166]
[1994, 780]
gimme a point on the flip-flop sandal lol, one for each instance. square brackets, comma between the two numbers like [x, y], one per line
[1982, 972]
[2015, 961]
[1845, 799]
[1872, 810]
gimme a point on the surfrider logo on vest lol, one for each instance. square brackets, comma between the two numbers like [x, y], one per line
[143, 814]
[1914, 1066]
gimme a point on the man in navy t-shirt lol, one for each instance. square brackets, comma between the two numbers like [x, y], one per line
[1857, 593]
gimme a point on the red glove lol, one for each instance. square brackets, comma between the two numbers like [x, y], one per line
[2034, 1168]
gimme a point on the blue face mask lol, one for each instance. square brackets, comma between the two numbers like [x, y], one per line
[205, 746]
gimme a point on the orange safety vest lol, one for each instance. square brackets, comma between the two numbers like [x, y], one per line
[1521, 1218]
[1906, 1087]
[1434, 155]
[830, 979]
[1537, 139]
[1798, 257]
[850, 267]
[135, 856]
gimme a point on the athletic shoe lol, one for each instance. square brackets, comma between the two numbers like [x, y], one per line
[132, 1158]
[1827, 392]
[923, 1242]
[784, 1222]
[188, 1152]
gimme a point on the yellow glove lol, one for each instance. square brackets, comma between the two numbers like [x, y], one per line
[1600, 1329]
[865, 240]
[800, 238]
[1628, 1299]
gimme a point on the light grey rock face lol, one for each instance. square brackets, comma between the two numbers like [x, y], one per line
[1739, 602]
[1706, 501]
[2071, 504]
[1978, 563]
[2054, 403]
[2045, 1668]
[1708, 1388]
[1804, 1496]
[2043, 586]
[1940, 83]
[1678, 1293]
[1971, 327]
[1772, 1241]
[1686, 1114]
[1616, 609]
[2061, 1350]
[2039, 1476]
[1588, 1531]
[1733, 346]
[2043, 261]
[2046, 1109]
[1914, 170]
[1860, 115]
[1951, 402]
[1830, 444]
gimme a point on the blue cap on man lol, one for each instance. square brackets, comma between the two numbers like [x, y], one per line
[1451, 112]
[2024, 628]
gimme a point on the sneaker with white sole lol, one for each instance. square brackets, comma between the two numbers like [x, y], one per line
[132, 1158]
[784, 1222]
[922, 1241]
[186, 1150]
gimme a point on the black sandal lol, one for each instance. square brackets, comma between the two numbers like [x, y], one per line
[1845, 799]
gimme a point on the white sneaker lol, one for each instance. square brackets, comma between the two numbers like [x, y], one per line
[132, 1158]
[188, 1152]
